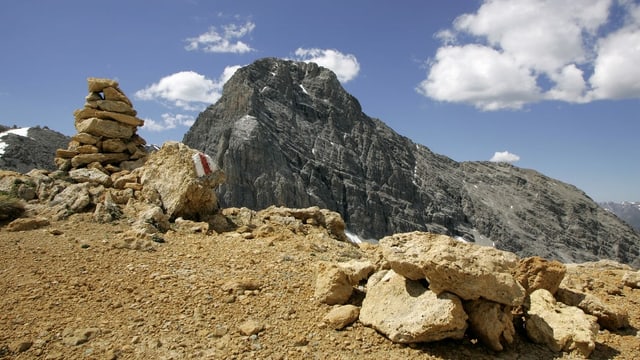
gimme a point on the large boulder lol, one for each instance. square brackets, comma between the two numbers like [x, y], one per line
[170, 175]
[406, 311]
[467, 270]
[559, 326]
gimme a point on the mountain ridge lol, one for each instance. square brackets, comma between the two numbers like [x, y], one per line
[287, 133]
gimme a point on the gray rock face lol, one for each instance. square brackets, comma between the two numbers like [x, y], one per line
[286, 133]
[35, 151]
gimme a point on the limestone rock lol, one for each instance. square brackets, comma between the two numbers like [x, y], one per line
[25, 224]
[74, 337]
[333, 285]
[87, 113]
[560, 327]
[632, 279]
[467, 270]
[112, 93]
[535, 273]
[341, 316]
[608, 316]
[114, 146]
[99, 84]
[116, 106]
[103, 158]
[91, 176]
[406, 311]
[250, 327]
[357, 270]
[85, 138]
[171, 173]
[106, 128]
[492, 322]
[73, 199]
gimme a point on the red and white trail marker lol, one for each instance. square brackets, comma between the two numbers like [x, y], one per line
[203, 163]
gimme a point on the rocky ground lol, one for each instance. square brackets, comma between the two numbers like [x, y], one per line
[71, 290]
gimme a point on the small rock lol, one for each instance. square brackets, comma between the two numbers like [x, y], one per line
[492, 322]
[250, 327]
[21, 346]
[608, 316]
[632, 279]
[78, 336]
[535, 273]
[25, 224]
[341, 316]
[333, 285]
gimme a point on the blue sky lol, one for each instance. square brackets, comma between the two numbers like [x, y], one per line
[549, 85]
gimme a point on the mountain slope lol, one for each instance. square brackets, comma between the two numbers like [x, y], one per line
[29, 148]
[286, 133]
[627, 211]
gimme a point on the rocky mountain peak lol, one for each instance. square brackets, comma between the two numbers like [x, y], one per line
[286, 133]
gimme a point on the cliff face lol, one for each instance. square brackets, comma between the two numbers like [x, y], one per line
[286, 133]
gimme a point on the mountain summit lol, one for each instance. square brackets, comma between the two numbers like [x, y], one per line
[287, 133]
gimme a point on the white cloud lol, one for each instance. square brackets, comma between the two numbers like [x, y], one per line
[479, 75]
[187, 90]
[169, 121]
[222, 41]
[558, 50]
[504, 156]
[345, 66]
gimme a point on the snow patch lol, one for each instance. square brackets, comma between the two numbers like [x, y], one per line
[353, 237]
[461, 239]
[244, 127]
[303, 89]
[20, 132]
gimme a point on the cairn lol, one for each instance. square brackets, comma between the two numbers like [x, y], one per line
[106, 138]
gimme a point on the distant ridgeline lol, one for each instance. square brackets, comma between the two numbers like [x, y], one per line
[24, 149]
[287, 133]
[627, 211]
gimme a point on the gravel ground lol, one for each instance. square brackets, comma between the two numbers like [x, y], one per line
[67, 293]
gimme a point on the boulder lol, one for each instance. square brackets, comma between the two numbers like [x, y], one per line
[341, 316]
[609, 317]
[559, 326]
[406, 311]
[491, 322]
[73, 199]
[535, 273]
[171, 173]
[467, 270]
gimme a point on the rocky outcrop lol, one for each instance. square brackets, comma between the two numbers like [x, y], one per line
[316, 147]
[535, 273]
[467, 270]
[106, 137]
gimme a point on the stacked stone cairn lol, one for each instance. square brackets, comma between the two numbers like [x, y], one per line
[106, 138]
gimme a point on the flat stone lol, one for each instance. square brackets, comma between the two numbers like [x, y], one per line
[66, 154]
[85, 138]
[609, 317]
[106, 128]
[91, 176]
[114, 146]
[87, 113]
[115, 94]
[535, 273]
[26, 224]
[98, 84]
[120, 107]
[103, 158]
